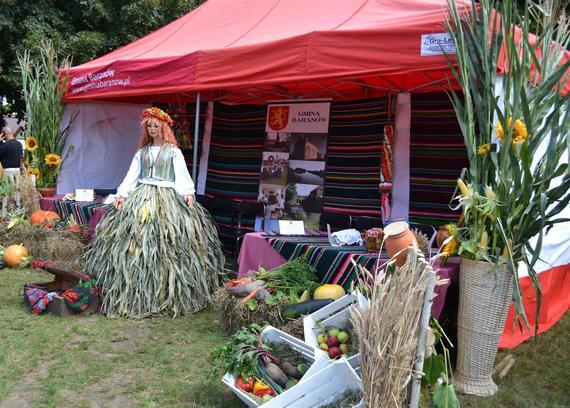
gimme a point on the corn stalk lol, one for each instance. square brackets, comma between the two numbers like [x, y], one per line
[44, 80]
[507, 192]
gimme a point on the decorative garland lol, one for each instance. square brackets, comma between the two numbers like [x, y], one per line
[157, 113]
[386, 174]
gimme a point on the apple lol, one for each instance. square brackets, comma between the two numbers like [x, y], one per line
[333, 342]
[343, 337]
[334, 332]
[344, 356]
[322, 338]
[334, 352]
[344, 348]
[324, 347]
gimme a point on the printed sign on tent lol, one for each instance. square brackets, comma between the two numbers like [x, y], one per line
[298, 118]
[294, 161]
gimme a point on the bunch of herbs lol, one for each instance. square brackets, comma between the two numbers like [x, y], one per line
[236, 354]
[289, 281]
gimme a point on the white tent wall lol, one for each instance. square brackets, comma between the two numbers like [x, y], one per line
[401, 153]
[100, 145]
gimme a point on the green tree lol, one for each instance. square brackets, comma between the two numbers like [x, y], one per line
[82, 29]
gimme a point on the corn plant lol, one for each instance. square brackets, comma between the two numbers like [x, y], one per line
[44, 80]
[518, 179]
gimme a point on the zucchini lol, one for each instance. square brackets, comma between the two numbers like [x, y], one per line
[303, 308]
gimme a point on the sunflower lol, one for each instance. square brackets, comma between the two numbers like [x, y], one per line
[52, 159]
[484, 149]
[34, 171]
[520, 133]
[31, 144]
[451, 247]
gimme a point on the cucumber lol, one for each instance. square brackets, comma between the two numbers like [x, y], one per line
[303, 308]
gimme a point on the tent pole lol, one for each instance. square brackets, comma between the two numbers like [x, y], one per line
[196, 137]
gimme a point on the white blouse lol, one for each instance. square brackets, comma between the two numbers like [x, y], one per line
[182, 183]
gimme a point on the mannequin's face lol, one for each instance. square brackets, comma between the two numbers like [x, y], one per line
[153, 130]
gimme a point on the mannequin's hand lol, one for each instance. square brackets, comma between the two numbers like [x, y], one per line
[189, 200]
[118, 203]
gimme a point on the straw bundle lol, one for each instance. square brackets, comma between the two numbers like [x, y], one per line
[29, 196]
[234, 315]
[422, 240]
[388, 331]
[18, 195]
[62, 246]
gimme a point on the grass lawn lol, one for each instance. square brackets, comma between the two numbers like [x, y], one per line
[99, 362]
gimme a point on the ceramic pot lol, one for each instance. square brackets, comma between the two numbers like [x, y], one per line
[398, 237]
[46, 191]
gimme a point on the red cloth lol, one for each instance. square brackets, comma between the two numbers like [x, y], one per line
[303, 46]
[47, 204]
[555, 284]
[225, 45]
[93, 222]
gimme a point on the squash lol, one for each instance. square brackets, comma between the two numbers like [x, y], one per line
[47, 218]
[14, 254]
[328, 291]
[304, 308]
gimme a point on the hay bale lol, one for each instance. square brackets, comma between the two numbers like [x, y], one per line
[234, 315]
[61, 246]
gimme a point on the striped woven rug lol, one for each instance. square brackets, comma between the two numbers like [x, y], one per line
[234, 163]
[353, 157]
[332, 264]
[184, 116]
[437, 155]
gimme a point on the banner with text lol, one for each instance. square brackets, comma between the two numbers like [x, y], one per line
[294, 161]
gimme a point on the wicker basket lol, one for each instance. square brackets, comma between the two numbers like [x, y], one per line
[483, 305]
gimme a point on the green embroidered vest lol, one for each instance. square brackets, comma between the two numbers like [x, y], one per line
[162, 168]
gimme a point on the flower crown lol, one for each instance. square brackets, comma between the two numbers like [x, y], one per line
[157, 113]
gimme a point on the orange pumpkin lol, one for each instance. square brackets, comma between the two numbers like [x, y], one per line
[47, 218]
[13, 255]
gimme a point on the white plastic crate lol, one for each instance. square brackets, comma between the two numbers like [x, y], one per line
[317, 361]
[323, 388]
[336, 314]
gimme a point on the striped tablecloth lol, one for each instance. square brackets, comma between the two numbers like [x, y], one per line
[81, 211]
[333, 263]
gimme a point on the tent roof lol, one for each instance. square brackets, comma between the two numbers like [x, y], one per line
[258, 50]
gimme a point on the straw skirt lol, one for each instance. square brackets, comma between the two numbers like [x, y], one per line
[155, 256]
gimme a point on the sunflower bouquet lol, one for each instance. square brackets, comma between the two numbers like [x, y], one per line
[515, 130]
[43, 91]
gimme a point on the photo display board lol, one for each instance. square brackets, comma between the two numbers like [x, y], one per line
[294, 161]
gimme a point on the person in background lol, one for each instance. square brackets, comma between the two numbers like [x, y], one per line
[11, 151]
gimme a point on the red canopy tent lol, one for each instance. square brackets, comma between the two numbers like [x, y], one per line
[252, 51]
[255, 50]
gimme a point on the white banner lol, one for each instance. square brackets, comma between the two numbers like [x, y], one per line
[298, 117]
[437, 44]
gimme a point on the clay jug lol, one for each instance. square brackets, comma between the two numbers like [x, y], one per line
[398, 237]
